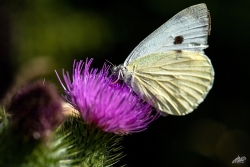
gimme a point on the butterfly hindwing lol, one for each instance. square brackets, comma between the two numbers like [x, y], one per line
[174, 82]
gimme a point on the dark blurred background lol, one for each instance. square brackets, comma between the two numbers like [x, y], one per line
[38, 36]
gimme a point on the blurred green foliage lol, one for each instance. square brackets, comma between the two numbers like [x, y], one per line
[54, 29]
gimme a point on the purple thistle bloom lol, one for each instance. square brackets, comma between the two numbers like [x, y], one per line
[111, 107]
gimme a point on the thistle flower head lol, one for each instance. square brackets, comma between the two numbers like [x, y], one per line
[36, 109]
[110, 107]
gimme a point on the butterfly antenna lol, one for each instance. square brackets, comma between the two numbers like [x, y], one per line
[109, 62]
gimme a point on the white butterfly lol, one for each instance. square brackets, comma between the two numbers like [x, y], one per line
[168, 68]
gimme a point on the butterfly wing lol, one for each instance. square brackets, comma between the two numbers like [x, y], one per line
[174, 82]
[187, 30]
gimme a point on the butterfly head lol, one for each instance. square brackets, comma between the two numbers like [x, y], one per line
[121, 73]
[115, 70]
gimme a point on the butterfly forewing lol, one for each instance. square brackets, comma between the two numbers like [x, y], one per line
[174, 82]
[187, 30]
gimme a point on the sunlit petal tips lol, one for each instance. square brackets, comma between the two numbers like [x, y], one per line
[111, 107]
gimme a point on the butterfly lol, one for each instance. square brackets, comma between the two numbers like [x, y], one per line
[169, 69]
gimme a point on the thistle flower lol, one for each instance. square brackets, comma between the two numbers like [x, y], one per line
[110, 107]
[36, 110]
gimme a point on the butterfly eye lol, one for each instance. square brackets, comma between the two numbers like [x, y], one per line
[115, 70]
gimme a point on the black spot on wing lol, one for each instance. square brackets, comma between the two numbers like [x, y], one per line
[178, 40]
